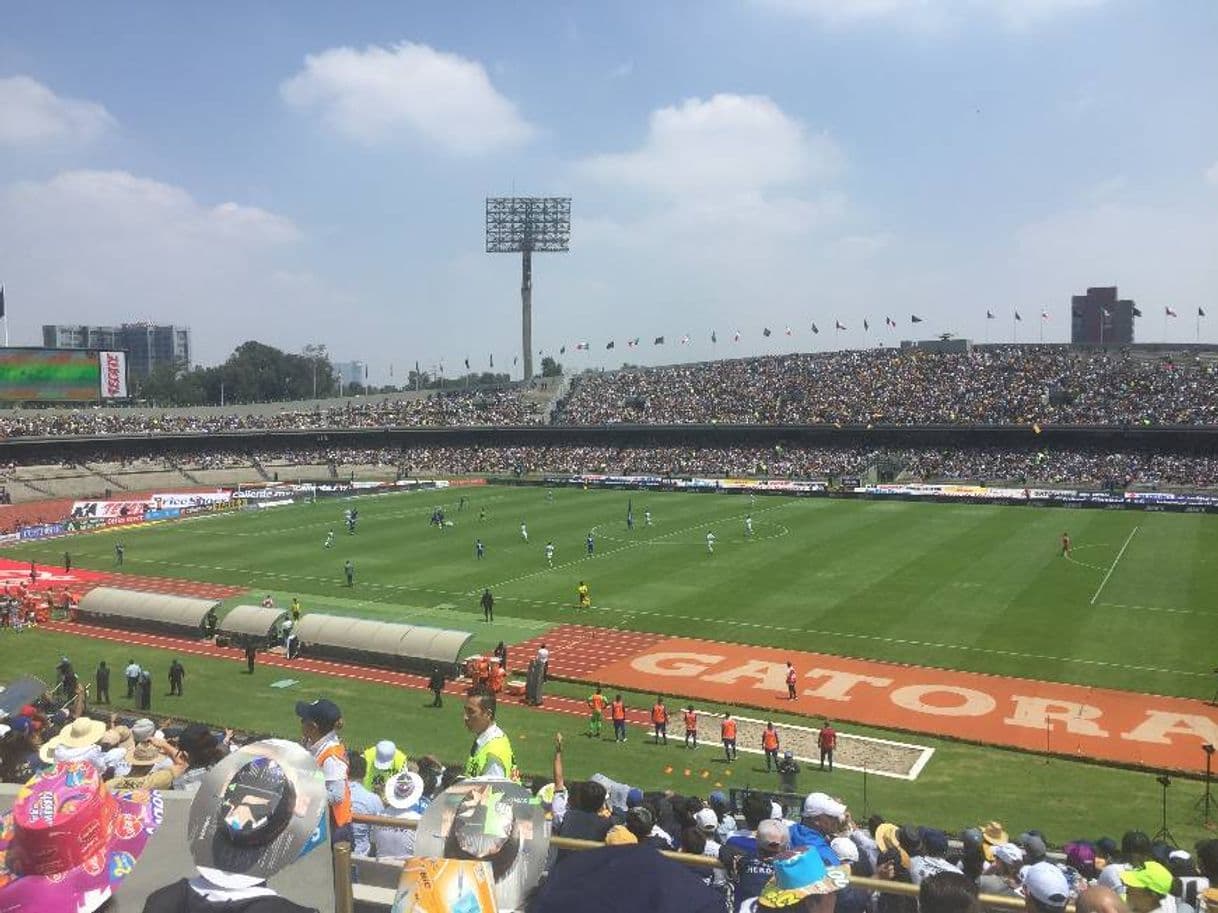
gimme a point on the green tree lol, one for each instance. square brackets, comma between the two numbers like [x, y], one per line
[550, 368]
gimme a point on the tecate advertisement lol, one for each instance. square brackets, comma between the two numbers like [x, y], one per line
[113, 375]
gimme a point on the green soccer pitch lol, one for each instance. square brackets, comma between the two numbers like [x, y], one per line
[954, 585]
[961, 586]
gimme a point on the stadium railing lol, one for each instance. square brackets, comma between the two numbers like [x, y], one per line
[344, 887]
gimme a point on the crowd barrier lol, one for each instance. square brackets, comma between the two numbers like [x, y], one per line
[344, 901]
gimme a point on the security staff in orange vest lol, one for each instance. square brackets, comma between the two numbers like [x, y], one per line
[727, 732]
[320, 721]
[769, 744]
[617, 710]
[659, 719]
[691, 727]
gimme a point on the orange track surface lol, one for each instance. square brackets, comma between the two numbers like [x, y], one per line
[1100, 724]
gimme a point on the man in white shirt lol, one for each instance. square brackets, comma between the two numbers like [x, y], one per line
[403, 799]
[132, 674]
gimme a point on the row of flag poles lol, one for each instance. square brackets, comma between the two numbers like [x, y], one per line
[1017, 319]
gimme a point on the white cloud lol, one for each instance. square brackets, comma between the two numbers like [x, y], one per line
[34, 115]
[1211, 175]
[728, 143]
[375, 94]
[108, 246]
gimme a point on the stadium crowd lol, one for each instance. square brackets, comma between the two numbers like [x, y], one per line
[988, 386]
[1000, 385]
[789, 461]
[768, 859]
[455, 408]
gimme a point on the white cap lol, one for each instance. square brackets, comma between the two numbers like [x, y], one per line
[823, 804]
[1008, 853]
[1046, 883]
[775, 810]
[385, 751]
[847, 850]
[706, 819]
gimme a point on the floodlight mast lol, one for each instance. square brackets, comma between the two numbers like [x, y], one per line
[525, 225]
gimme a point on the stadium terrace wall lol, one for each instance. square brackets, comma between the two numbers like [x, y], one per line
[1165, 438]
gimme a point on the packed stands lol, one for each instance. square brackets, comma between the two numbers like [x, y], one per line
[989, 385]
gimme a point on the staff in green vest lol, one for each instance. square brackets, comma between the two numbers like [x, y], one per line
[384, 760]
[491, 753]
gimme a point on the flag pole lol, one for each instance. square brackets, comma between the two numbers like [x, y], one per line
[1015, 328]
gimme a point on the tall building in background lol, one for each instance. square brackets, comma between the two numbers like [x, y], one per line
[1100, 318]
[351, 372]
[147, 346]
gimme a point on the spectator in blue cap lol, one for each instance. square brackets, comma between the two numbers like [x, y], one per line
[930, 861]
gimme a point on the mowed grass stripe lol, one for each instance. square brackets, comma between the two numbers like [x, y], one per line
[981, 588]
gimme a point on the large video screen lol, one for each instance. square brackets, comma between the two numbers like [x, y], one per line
[61, 375]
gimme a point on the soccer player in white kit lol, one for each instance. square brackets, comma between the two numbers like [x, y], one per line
[329, 539]
[748, 526]
[550, 553]
[524, 531]
[647, 518]
[710, 543]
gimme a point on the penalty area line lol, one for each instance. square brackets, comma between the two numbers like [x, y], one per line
[1115, 562]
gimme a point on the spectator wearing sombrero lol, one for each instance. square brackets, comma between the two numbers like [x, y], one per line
[78, 742]
[803, 882]
[69, 840]
[403, 799]
[256, 812]
[992, 835]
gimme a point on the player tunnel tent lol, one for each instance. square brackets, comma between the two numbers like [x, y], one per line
[409, 648]
[135, 610]
[251, 625]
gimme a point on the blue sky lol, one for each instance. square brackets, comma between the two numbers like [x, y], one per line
[302, 172]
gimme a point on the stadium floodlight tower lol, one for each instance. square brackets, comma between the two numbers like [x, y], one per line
[525, 225]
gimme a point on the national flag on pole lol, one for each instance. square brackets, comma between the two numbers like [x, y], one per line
[581, 347]
[789, 331]
[467, 364]
[685, 339]
[562, 350]
[659, 341]
[1017, 317]
[838, 325]
[866, 325]
[609, 344]
[492, 361]
[1, 300]
[888, 321]
[714, 338]
[736, 336]
[515, 358]
[365, 372]
[1044, 315]
[1169, 312]
[914, 318]
[631, 343]
[1137, 313]
[815, 330]
[1200, 312]
[989, 315]
[765, 331]
[391, 369]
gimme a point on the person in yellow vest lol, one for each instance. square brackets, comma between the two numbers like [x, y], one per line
[491, 753]
[320, 722]
[295, 609]
[384, 760]
[585, 595]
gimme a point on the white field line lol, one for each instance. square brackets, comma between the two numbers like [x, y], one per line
[912, 773]
[1115, 562]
